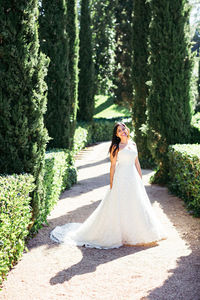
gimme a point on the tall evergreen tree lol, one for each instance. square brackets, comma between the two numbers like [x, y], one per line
[23, 137]
[103, 32]
[55, 44]
[141, 20]
[86, 75]
[123, 90]
[198, 87]
[72, 29]
[169, 112]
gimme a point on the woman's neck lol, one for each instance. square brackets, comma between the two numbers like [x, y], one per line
[124, 140]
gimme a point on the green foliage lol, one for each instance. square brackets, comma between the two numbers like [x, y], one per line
[60, 174]
[55, 44]
[123, 89]
[140, 70]
[15, 217]
[23, 67]
[198, 86]
[195, 129]
[83, 136]
[97, 131]
[106, 108]
[184, 174]
[86, 74]
[171, 63]
[103, 33]
[72, 29]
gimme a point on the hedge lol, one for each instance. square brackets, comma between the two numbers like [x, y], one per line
[97, 131]
[184, 174]
[195, 134]
[59, 175]
[15, 217]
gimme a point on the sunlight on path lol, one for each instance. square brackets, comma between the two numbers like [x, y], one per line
[169, 271]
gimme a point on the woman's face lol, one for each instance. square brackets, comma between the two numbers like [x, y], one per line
[121, 132]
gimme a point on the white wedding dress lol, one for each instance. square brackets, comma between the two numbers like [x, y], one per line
[124, 217]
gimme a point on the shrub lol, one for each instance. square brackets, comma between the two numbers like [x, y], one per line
[59, 175]
[15, 217]
[184, 174]
[195, 135]
[83, 136]
[97, 131]
[103, 128]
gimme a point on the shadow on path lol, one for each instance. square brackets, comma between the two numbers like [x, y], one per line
[85, 185]
[103, 161]
[183, 282]
[91, 259]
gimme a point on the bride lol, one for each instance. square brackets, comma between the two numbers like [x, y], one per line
[125, 215]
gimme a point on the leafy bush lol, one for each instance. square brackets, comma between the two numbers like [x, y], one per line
[97, 131]
[184, 173]
[83, 136]
[195, 135]
[15, 217]
[59, 175]
[103, 128]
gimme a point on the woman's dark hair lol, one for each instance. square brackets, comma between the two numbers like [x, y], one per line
[116, 140]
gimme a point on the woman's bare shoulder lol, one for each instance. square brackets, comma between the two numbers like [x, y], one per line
[132, 142]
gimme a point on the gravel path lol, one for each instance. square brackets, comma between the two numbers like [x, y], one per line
[168, 271]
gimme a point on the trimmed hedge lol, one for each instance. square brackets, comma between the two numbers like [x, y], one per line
[195, 129]
[15, 217]
[60, 174]
[184, 173]
[97, 131]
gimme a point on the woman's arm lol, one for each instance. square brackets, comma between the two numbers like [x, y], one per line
[113, 161]
[137, 164]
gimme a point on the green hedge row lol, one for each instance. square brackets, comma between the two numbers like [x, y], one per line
[98, 131]
[184, 173]
[15, 217]
[15, 209]
[60, 174]
[195, 134]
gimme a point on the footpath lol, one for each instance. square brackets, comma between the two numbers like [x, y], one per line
[168, 271]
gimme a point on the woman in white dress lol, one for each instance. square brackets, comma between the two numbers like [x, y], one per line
[125, 215]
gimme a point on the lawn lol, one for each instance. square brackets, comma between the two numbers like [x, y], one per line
[105, 108]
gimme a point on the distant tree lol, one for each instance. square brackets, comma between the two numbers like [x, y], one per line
[72, 29]
[55, 44]
[140, 75]
[86, 74]
[169, 102]
[23, 67]
[103, 32]
[123, 90]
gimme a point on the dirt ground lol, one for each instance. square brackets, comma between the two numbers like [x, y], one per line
[168, 271]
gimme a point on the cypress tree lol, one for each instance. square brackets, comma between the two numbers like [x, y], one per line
[55, 44]
[141, 20]
[169, 111]
[123, 89]
[72, 29]
[103, 32]
[86, 74]
[198, 87]
[23, 137]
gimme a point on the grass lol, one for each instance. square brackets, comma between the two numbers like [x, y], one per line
[105, 108]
